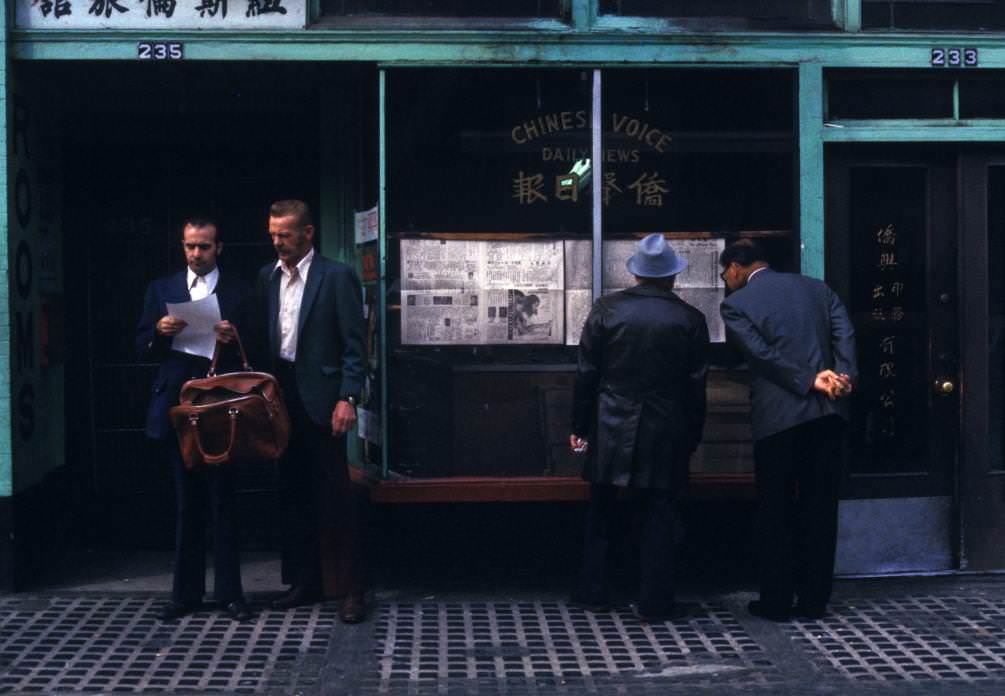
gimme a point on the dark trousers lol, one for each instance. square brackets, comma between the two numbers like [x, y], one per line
[321, 545]
[195, 491]
[657, 549]
[798, 475]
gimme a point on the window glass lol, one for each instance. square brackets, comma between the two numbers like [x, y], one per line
[933, 15]
[889, 220]
[767, 14]
[489, 228]
[680, 158]
[442, 8]
[885, 94]
[982, 96]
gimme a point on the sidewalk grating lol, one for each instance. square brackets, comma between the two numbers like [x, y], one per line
[80, 644]
[912, 639]
[529, 647]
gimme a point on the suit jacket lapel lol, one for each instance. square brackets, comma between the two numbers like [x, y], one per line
[224, 297]
[273, 298]
[310, 293]
[179, 288]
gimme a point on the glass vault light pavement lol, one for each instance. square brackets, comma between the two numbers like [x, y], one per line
[943, 635]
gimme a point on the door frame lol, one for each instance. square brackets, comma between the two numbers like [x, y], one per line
[981, 487]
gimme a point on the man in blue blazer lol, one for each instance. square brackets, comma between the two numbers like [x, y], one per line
[315, 343]
[154, 335]
[799, 344]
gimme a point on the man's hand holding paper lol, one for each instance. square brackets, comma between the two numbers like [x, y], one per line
[198, 334]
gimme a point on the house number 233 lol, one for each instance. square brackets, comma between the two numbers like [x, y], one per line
[954, 57]
[146, 50]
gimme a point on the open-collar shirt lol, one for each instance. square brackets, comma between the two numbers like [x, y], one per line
[291, 294]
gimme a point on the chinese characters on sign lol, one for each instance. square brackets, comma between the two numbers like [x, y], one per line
[160, 14]
[564, 171]
[888, 288]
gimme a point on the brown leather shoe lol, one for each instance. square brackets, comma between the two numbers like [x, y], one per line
[352, 609]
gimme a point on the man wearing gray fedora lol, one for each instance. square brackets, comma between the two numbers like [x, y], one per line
[638, 414]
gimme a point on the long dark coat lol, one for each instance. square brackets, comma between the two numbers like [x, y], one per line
[640, 388]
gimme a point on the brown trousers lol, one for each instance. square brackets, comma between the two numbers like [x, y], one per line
[322, 547]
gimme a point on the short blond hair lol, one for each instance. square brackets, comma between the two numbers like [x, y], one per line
[291, 207]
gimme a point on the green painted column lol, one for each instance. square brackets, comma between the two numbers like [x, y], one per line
[811, 169]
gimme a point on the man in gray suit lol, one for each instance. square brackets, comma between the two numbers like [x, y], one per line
[315, 345]
[799, 344]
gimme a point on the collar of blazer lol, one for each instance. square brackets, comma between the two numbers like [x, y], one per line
[758, 272]
[648, 290]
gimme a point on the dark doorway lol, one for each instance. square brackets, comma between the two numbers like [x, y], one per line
[144, 146]
[892, 256]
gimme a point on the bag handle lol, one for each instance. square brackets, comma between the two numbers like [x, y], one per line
[193, 420]
[216, 355]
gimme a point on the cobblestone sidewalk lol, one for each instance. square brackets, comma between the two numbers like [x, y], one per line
[893, 636]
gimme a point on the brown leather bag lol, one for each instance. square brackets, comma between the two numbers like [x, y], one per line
[233, 417]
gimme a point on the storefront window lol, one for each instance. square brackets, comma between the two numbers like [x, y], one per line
[442, 8]
[488, 203]
[680, 158]
[490, 236]
[764, 14]
[879, 94]
[933, 15]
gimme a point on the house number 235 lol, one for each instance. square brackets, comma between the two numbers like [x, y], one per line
[159, 51]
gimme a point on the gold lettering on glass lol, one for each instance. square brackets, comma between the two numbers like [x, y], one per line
[649, 189]
[886, 236]
[527, 188]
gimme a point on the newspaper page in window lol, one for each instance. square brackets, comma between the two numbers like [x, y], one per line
[699, 286]
[530, 265]
[577, 307]
[431, 317]
[516, 316]
[578, 287]
[434, 264]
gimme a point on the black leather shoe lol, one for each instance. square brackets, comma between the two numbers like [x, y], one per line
[172, 611]
[296, 596]
[676, 612]
[238, 610]
[760, 610]
[803, 612]
[587, 605]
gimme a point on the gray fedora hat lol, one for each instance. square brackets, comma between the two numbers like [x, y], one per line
[655, 259]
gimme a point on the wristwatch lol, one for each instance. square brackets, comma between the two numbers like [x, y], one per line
[351, 399]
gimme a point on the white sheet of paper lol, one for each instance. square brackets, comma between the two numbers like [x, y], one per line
[198, 338]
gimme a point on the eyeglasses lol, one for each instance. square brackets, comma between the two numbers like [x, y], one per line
[722, 276]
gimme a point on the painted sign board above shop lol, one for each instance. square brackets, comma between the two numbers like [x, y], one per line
[211, 15]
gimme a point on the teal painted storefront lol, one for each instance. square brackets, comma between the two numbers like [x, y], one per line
[585, 40]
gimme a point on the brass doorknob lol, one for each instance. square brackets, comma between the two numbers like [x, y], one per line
[944, 387]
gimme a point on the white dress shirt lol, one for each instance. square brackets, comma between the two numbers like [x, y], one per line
[755, 272]
[199, 286]
[291, 293]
